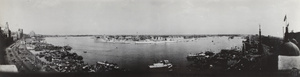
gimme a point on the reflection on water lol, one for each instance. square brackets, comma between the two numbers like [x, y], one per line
[139, 56]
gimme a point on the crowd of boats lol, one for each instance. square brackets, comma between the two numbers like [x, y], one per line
[60, 59]
[226, 59]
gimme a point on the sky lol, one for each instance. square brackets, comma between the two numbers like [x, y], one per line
[112, 17]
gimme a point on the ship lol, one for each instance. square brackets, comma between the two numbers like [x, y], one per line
[200, 55]
[194, 56]
[153, 42]
[161, 64]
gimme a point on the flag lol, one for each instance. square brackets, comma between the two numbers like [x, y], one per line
[284, 18]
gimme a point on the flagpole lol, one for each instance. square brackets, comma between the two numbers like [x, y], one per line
[285, 19]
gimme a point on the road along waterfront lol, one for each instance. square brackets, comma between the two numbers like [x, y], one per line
[24, 60]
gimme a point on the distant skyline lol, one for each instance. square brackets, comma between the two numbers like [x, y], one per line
[97, 17]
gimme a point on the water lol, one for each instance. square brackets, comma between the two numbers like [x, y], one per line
[138, 56]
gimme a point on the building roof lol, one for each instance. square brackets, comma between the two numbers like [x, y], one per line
[288, 62]
[289, 49]
[8, 68]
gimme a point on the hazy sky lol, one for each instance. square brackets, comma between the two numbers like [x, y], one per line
[150, 16]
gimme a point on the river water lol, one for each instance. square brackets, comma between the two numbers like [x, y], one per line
[137, 57]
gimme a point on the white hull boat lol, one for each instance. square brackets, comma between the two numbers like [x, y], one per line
[161, 64]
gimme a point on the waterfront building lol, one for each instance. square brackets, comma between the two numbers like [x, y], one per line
[128, 37]
[14, 36]
[5, 35]
[289, 55]
[286, 55]
[295, 37]
[19, 33]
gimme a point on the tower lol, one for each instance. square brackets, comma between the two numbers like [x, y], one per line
[7, 32]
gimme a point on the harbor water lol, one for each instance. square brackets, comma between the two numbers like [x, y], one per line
[137, 57]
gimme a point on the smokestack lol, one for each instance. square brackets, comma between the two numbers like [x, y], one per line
[260, 34]
[260, 47]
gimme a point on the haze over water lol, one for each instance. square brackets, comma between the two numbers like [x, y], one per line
[138, 56]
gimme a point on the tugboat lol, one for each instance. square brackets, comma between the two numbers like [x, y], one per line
[161, 64]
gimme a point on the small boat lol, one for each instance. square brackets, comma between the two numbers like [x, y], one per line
[67, 47]
[192, 57]
[161, 64]
[84, 51]
[195, 55]
[112, 65]
[101, 63]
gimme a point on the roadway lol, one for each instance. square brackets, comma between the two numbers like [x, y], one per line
[25, 61]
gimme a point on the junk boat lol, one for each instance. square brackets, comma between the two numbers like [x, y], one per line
[161, 64]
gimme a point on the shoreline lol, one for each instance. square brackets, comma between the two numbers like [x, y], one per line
[53, 51]
[60, 59]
